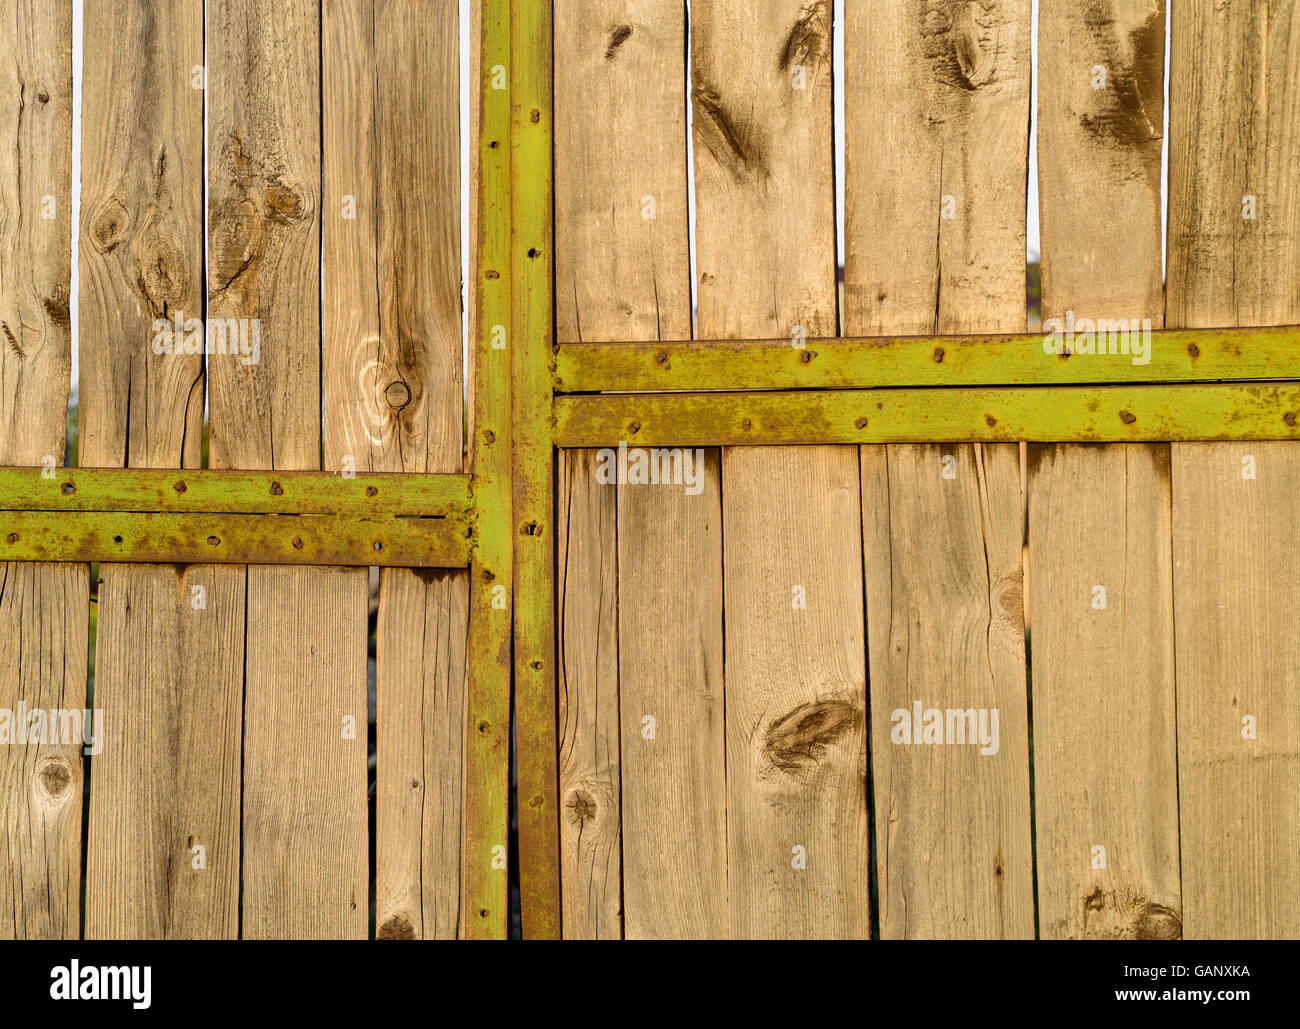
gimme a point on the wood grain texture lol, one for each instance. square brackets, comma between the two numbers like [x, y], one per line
[589, 794]
[1234, 90]
[423, 621]
[305, 868]
[393, 390]
[164, 839]
[946, 623]
[796, 697]
[141, 258]
[43, 614]
[675, 785]
[168, 674]
[761, 82]
[35, 229]
[1103, 679]
[935, 242]
[623, 273]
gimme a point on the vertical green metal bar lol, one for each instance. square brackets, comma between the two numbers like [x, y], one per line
[484, 880]
[531, 347]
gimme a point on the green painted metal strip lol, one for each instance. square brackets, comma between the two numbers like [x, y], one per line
[1044, 414]
[147, 489]
[534, 537]
[484, 877]
[195, 538]
[1174, 356]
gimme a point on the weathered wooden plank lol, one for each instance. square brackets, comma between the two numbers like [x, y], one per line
[164, 839]
[304, 819]
[394, 401]
[675, 781]
[43, 616]
[1101, 592]
[623, 273]
[935, 242]
[1234, 258]
[587, 603]
[796, 690]
[423, 620]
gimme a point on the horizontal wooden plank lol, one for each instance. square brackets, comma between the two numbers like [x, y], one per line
[1041, 414]
[190, 491]
[995, 360]
[234, 538]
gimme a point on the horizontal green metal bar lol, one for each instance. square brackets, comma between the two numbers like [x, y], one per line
[1038, 414]
[194, 538]
[855, 363]
[206, 491]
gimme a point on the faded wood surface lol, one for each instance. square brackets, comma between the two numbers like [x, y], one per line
[1235, 90]
[164, 837]
[1103, 665]
[43, 614]
[935, 242]
[304, 816]
[796, 691]
[394, 402]
[163, 855]
[586, 586]
[623, 273]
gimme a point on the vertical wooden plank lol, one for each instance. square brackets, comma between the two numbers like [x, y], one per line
[935, 243]
[587, 592]
[796, 677]
[623, 273]
[675, 783]
[1235, 141]
[394, 402]
[43, 614]
[163, 855]
[304, 819]
[1103, 662]
[795, 664]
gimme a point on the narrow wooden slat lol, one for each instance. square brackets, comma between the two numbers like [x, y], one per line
[587, 602]
[393, 401]
[796, 690]
[304, 815]
[1234, 136]
[43, 617]
[1103, 663]
[935, 243]
[623, 272]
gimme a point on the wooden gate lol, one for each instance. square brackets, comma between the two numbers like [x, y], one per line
[737, 599]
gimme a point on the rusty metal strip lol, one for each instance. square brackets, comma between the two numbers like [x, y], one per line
[209, 491]
[531, 339]
[484, 875]
[1044, 414]
[856, 363]
[212, 538]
